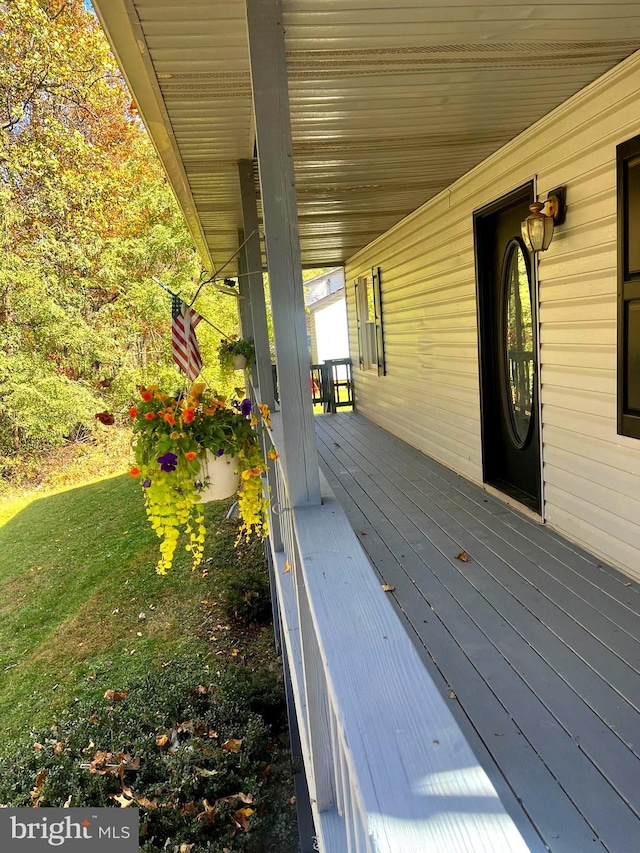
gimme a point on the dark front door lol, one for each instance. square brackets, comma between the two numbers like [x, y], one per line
[508, 351]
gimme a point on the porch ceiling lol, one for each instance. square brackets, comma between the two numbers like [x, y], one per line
[391, 101]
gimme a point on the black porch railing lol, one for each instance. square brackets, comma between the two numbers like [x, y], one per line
[331, 384]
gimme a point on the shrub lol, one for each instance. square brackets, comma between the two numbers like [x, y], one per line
[246, 595]
[199, 752]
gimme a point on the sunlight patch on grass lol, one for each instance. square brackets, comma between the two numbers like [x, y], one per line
[78, 572]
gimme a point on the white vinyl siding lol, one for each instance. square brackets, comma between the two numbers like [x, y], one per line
[430, 396]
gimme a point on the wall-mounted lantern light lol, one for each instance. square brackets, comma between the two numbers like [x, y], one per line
[537, 228]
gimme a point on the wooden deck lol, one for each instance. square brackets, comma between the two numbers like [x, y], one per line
[535, 642]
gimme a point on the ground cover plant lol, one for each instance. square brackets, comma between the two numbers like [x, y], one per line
[121, 687]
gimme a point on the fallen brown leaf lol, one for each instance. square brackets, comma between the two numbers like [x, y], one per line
[287, 566]
[387, 587]
[232, 745]
[463, 556]
[123, 801]
[42, 775]
[115, 695]
[241, 817]
[162, 740]
[209, 813]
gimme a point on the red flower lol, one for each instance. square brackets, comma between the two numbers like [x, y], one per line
[147, 396]
[133, 412]
[150, 416]
[188, 415]
[169, 419]
[134, 472]
[191, 455]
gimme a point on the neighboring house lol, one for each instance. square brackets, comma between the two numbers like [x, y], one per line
[457, 592]
[327, 316]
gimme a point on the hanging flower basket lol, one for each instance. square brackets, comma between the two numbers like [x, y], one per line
[193, 448]
[235, 354]
[221, 476]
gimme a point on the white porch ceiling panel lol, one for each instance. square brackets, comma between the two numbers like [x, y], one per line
[390, 101]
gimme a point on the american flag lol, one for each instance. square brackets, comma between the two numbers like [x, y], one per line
[186, 352]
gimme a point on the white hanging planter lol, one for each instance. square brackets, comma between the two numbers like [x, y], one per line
[222, 475]
[239, 362]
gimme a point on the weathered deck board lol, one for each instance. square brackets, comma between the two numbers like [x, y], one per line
[561, 554]
[613, 624]
[595, 664]
[538, 641]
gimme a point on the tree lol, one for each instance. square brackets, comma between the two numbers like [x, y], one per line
[87, 220]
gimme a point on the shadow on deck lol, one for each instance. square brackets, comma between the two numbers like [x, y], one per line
[534, 641]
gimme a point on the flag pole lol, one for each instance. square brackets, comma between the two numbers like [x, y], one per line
[171, 293]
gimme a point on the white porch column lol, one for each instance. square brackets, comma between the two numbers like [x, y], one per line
[255, 283]
[277, 184]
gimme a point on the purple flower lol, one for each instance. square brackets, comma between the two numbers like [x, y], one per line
[198, 484]
[245, 408]
[146, 483]
[219, 451]
[168, 462]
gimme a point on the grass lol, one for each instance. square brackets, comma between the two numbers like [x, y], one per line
[191, 654]
[76, 577]
[341, 397]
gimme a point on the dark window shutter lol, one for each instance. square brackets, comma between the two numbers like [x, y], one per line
[377, 301]
[356, 289]
[628, 159]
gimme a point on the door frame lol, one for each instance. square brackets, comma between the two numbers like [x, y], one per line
[485, 371]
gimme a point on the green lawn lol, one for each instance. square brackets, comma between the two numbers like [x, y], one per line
[77, 571]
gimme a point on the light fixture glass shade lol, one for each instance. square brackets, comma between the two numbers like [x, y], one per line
[537, 229]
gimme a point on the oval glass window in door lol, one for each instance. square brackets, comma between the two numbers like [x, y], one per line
[519, 342]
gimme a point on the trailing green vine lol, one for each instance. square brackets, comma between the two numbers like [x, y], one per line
[172, 434]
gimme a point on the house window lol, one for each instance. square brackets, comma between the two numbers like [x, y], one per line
[629, 287]
[368, 301]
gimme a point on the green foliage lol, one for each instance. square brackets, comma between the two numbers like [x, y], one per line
[86, 220]
[246, 595]
[230, 348]
[175, 439]
[199, 752]
[69, 625]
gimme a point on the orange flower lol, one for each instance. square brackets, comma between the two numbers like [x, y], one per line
[191, 455]
[170, 419]
[188, 415]
[251, 472]
[133, 412]
[134, 472]
[147, 396]
[150, 416]
[272, 454]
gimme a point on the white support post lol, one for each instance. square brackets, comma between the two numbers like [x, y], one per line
[255, 284]
[277, 185]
